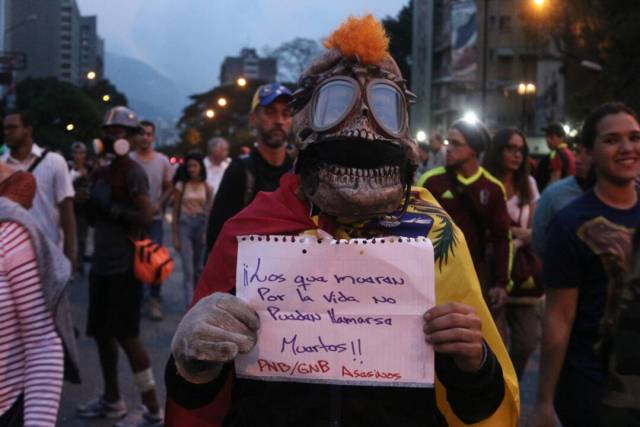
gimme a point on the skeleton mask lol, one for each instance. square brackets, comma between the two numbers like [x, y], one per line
[357, 157]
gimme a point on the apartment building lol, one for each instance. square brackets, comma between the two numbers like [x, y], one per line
[56, 39]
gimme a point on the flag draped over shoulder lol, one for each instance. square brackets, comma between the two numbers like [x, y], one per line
[283, 213]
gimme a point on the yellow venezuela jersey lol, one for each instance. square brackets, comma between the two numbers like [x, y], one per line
[456, 281]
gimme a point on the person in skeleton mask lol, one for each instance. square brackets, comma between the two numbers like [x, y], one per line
[353, 179]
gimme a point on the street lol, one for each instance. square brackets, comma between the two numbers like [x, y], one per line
[157, 339]
[155, 335]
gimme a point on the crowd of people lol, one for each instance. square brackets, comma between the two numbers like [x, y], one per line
[543, 254]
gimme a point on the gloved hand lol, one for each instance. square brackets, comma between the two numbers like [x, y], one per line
[212, 332]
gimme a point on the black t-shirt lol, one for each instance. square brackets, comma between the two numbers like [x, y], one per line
[232, 197]
[120, 183]
[569, 262]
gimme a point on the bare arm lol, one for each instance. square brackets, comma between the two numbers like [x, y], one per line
[558, 320]
[68, 224]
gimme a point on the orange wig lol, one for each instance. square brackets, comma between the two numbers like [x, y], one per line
[362, 37]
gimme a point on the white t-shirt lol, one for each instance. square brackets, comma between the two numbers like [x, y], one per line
[53, 185]
[215, 173]
[513, 204]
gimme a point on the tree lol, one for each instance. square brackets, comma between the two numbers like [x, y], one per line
[293, 57]
[98, 90]
[230, 121]
[400, 31]
[55, 105]
[598, 42]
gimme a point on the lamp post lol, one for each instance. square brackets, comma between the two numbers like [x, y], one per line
[525, 89]
[485, 50]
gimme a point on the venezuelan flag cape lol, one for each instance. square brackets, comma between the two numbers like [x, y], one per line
[282, 212]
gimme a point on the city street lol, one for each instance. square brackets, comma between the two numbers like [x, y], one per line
[157, 338]
[155, 335]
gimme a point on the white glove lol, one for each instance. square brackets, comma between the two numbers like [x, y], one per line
[213, 332]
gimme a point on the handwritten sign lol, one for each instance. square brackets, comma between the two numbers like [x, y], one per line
[338, 311]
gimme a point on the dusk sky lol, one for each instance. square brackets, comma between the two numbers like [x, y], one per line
[187, 40]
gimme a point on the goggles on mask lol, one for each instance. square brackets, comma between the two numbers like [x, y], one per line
[335, 99]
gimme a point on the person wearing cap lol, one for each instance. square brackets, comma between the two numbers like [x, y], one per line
[80, 170]
[119, 209]
[477, 202]
[560, 162]
[262, 168]
[53, 203]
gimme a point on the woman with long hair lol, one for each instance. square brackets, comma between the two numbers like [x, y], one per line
[508, 160]
[190, 206]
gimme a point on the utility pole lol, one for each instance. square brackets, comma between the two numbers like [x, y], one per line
[422, 64]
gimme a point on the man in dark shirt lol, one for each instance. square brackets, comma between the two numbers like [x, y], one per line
[476, 201]
[261, 169]
[560, 162]
[587, 250]
[119, 208]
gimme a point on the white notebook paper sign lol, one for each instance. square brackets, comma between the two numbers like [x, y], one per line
[345, 312]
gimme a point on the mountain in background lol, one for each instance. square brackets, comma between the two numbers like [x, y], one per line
[152, 95]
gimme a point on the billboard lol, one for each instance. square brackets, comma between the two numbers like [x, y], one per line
[464, 37]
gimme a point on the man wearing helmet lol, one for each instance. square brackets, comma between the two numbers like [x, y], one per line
[120, 209]
[352, 179]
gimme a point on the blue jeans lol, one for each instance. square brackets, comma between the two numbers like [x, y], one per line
[192, 245]
[156, 234]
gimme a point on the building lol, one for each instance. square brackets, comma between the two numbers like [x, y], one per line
[487, 60]
[56, 39]
[248, 65]
[91, 48]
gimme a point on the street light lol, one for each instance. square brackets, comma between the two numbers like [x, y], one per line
[106, 98]
[70, 127]
[222, 102]
[242, 82]
[470, 117]
[91, 75]
[210, 113]
[525, 89]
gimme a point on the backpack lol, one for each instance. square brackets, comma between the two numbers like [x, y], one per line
[152, 262]
[250, 170]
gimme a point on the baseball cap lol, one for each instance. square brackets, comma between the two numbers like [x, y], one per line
[268, 93]
[554, 128]
[78, 146]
